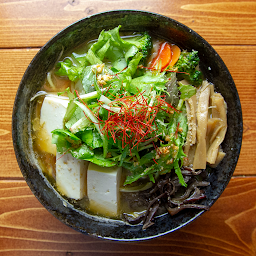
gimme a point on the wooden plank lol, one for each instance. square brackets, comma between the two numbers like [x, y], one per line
[239, 59]
[26, 228]
[32, 23]
[241, 62]
[16, 62]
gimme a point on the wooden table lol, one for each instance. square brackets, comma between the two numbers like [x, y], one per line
[229, 228]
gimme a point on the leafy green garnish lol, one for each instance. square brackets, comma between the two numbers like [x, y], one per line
[69, 69]
[147, 82]
[187, 91]
[91, 138]
[87, 134]
[65, 140]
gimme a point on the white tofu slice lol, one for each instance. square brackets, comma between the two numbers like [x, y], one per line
[52, 113]
[70, 172]
[103, 189]
[71, 176]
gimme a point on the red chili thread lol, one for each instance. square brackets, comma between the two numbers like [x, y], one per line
[134, 122]
[177, 129]
[64, 153]
[155, 146]
[155, 161]
[122, 70]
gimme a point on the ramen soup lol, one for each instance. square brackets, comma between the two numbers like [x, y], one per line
[125, 126]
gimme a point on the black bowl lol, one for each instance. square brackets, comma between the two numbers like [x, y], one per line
[214, 70]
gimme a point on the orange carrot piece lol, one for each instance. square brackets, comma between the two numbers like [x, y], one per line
[175, 55]
[163, 57]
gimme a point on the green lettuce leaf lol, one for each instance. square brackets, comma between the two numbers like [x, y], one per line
[65, 140]
[87, 78]
[187, 91]
[69, 69]
[101, 161]
[112, 47]
[146, 82]
[91, 138]
[83, 152]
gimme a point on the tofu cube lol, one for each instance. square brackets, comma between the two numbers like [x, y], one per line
[70, 172]
[52, 113]
[103, 189]
[71, 176]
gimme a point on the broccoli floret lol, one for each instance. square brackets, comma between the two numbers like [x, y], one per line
[188, 61]
[143, 42]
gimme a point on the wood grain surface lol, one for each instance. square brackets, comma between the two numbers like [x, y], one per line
[33, 22]
[229, 228]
